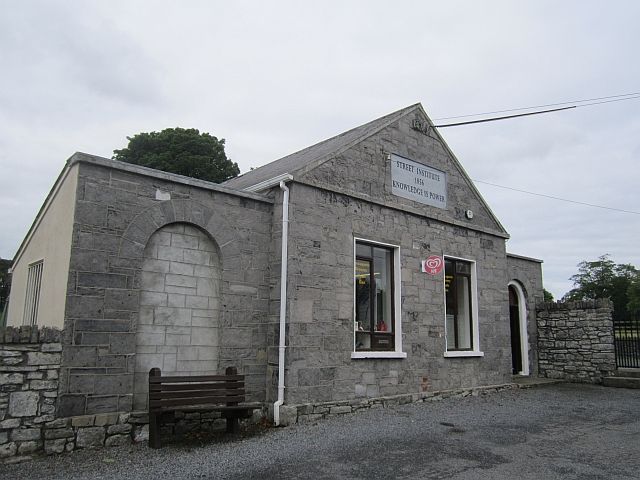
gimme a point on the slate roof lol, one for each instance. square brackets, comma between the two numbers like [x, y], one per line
[315, 154]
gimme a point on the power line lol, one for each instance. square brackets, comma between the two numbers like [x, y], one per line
[493, 119]
[558, 198]
[607, 101]
[544, 106]
[502, 118]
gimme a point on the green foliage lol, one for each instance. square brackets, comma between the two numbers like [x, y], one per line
[5, 284]
[183, 151]
[633, 293]
[605, 279]
[548, 296]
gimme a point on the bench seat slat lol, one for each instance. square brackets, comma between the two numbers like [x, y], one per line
[196, 378]
[171, 387]
[190, 393]
[197, 401]
[211, 407]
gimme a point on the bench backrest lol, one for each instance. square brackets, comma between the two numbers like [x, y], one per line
[176, 391]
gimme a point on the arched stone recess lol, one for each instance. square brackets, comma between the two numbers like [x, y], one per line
[178, 328]
[184, 222]
[523, 323]
[147, 222]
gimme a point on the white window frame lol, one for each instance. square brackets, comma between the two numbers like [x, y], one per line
[397, 304]
[32, 293]
[475, 352]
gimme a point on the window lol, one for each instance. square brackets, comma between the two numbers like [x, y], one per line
[461, 311]
[32, 296]
[376, 305]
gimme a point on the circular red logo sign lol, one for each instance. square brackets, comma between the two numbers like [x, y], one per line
[432, 265]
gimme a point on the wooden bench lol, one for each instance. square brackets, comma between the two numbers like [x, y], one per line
[224, 393]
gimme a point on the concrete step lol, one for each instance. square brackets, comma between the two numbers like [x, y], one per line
[621, 382]
[628, 372]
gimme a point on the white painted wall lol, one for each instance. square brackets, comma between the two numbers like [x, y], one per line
[50, 240]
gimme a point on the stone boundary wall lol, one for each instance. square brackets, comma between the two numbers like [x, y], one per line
[575, 340]
[29, 372]
[311, 412]
[29, 380]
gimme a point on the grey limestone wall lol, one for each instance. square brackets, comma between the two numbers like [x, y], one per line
[575, 340]
[118, 209]
[349, 196]
[321, 298]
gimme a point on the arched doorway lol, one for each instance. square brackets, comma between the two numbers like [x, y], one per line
[518, 327]
[178, 323]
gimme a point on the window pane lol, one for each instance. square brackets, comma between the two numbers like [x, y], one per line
[451, 331]
[448, 277]
[463, 320]
[463, 267]
[459, 321]
[383, 304]
[374, 321]
[32, 294]
[363, 289]
[363, 250]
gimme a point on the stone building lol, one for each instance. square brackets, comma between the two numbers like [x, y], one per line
[365, 266]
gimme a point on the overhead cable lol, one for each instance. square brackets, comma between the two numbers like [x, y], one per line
[558, 198]
[633, 95]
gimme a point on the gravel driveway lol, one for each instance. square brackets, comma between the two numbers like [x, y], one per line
[557, 431]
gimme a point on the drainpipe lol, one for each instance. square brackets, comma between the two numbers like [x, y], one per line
[283, 302]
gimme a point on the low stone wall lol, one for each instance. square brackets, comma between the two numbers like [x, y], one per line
[29, 380]
[29, 371]
[310, 412]
[575, 340]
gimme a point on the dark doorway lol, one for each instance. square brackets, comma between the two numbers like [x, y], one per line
[514, 320]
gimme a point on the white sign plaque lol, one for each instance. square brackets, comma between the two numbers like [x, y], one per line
[418, 182]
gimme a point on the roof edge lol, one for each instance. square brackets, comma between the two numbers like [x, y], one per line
[391, 117]
[271, 182]
[43, 209]
[527, 259]
[80, 157]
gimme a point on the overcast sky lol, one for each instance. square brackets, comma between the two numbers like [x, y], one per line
[274, 77]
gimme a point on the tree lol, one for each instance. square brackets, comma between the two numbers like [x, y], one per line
[5, 284]
[633, 293]
[604, 279]
[183, 151]
[548, 296]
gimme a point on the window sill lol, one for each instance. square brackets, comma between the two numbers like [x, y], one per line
[357, 355]
[463, 354]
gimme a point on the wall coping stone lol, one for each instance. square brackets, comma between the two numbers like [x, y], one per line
[579, 305]
[80, 157]
[29, 334]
